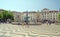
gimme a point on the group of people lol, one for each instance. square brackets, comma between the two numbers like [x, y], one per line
[5, 21]
[49, 22]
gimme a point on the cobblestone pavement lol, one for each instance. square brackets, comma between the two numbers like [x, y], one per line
[9, 30]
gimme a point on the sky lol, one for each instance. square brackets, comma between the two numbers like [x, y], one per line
[29, 5]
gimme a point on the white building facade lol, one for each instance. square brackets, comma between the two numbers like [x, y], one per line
[45, 14]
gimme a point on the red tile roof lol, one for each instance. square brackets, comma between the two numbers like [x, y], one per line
[53, 11]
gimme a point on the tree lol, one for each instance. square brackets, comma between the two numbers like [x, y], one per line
[1, 16]
[59, 16]
[10, 16]
[6, 15]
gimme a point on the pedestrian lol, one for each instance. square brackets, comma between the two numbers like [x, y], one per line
[49, 22]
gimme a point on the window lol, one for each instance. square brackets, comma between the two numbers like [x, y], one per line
[53, 18]
[17, 16]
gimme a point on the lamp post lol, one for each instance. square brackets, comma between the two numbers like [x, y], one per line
[26, 20]
[38, 15]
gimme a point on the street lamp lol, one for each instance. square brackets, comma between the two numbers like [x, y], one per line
[26, 20]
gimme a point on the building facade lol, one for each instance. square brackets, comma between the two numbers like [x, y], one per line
[51, 15]
[38, 16]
